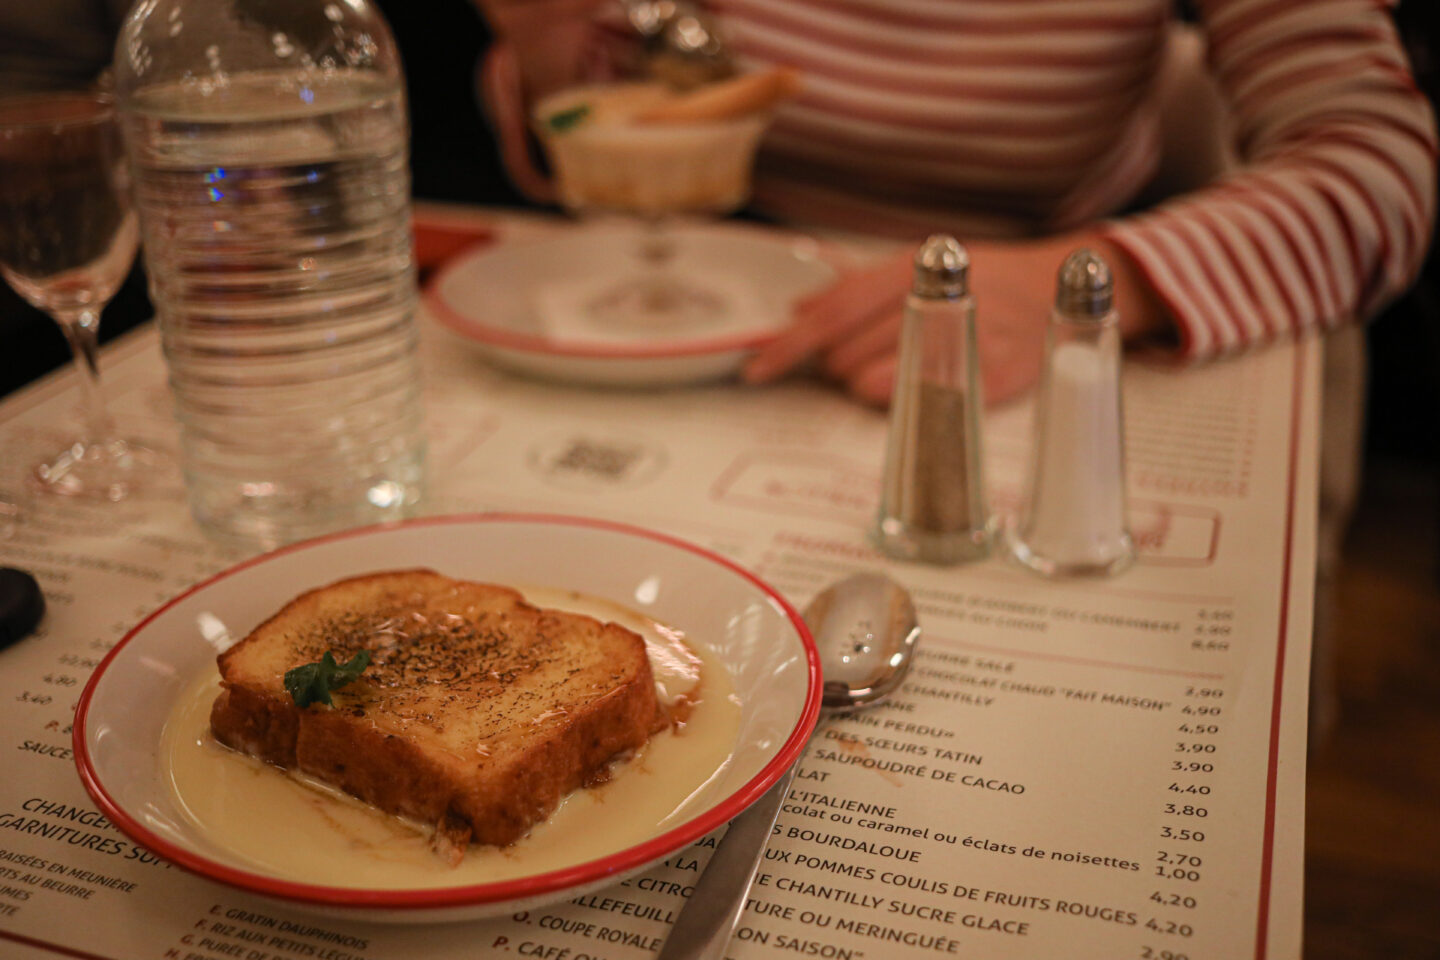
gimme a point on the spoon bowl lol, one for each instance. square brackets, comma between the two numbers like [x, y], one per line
[865, 629]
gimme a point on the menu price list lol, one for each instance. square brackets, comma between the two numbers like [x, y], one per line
[63, 859]
[1066, 773]
[1038, 795]
[236, 933]
[1028, 825]
[982, 812]
[912, 831]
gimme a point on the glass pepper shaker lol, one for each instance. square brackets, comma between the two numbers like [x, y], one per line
[932, 499]
[1073, 519]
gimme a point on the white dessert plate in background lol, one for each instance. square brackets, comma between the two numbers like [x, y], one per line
[520, 302]
[749, 628]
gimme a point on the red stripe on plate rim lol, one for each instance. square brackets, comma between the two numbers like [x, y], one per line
[594, 871]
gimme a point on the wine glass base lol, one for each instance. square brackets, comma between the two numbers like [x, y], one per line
[657, 304]
[105, 470]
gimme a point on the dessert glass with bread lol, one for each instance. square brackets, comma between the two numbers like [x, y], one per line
[650, 152]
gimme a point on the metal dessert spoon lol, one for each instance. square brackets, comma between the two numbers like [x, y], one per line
[865, 629]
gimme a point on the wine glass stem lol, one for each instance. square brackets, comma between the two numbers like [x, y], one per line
[82, 328]
[657, 243]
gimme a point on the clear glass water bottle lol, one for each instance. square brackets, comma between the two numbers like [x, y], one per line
[268, 144]
[1073, 520]
[932, 498]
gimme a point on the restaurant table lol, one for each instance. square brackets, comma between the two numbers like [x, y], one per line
[1091, 768]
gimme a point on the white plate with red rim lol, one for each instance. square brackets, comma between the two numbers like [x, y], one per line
[519, 303]
[748, 626]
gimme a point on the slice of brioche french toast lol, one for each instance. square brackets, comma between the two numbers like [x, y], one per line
[478, 713]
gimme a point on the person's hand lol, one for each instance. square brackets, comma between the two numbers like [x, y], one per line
[538, 49]
[853, 327]
[546, 37]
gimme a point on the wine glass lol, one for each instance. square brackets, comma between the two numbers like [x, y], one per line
[67, 239]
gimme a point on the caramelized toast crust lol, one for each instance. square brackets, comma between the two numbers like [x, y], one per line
[478, 714]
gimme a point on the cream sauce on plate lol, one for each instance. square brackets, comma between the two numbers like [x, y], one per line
[297, 828]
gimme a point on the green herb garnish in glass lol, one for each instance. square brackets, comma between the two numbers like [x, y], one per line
[314, 681]
[563, 120]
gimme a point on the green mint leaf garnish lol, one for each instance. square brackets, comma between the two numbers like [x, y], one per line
[314, 681]
[565, 119]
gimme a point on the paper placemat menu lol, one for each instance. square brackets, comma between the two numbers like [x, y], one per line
[1084, 769]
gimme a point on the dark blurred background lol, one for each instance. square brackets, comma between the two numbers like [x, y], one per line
[1405, 343]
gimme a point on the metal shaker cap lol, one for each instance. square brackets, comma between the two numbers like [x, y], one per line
[942, 269]
[1085, 289]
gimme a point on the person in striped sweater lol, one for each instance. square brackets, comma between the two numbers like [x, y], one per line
[1029, 128]
[1266, 172]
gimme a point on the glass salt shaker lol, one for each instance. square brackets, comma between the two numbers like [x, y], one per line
[1073, 519]
[932, 500]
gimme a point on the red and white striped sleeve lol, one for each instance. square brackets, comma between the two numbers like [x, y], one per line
[1330, 213]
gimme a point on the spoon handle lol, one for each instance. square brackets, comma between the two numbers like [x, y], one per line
[708, 918]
